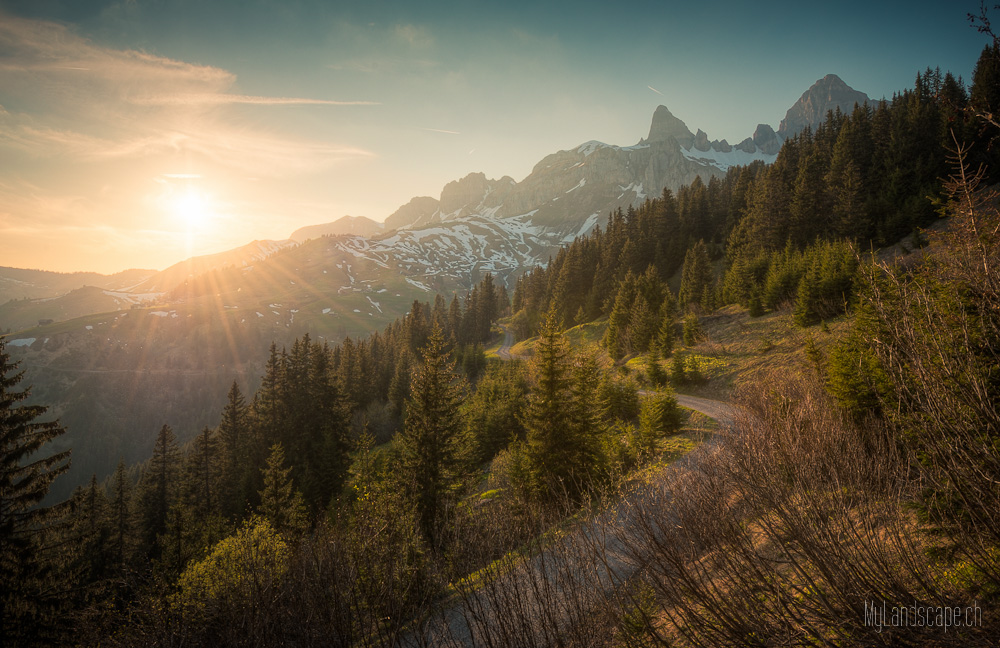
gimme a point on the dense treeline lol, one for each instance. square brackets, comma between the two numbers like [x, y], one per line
[860, 180]
[374, 450]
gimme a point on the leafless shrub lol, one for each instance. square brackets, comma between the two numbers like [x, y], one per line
[545, 590]
[782, 534]
[937, 336]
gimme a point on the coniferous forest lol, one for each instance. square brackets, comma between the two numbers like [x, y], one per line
[407, 489]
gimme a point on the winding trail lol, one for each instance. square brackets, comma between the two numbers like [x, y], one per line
[540, 599]
[508, 341]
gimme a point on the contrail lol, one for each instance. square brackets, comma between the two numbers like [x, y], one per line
[655, 90]
[221, 98]
[438, 130]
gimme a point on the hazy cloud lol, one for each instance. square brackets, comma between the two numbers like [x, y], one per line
[66, 96]
[413, 35]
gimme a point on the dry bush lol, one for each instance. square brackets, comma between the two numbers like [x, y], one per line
[782, 533]
[549, 592]
[935, 330]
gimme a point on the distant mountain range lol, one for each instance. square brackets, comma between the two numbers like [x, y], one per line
[476, 225]
[505, 226]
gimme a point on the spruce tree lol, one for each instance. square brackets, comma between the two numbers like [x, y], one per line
[660, 416]
[280, 503]
[657, 377]
[89, 518]
[28, 594]
[159, 488]
[557, 449]
[696, 276]
[617, 337]
[677, 373]
[431, 443]
[237, 452]
[120, 518]
[202, 477]
[493, 413]
[691, 330]
[584, 385]
[399, 386]
[665, 334]
[805, 303]
[327, 444]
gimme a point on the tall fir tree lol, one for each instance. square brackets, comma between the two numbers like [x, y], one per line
[158, 490]
[696, 275]
[555, 450]
[29, 595]
[120, 518]
[432, 442]
[329, 446]
[90, 521]
[202, 478]
[280, 502]
[237, 452]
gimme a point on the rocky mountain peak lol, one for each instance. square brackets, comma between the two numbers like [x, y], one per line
[829, 93]
[469, 191]
[419, 210]
[766, 140]
[665, 126]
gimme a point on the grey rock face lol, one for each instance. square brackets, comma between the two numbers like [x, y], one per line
[766, 139]
[701, 141]
[665, 126]
[469, 191]
[419, 211]
[829, 93]
[722, 147]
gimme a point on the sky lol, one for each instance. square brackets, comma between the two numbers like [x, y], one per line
[137, 133]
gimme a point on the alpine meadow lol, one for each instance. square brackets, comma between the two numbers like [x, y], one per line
[683, 392]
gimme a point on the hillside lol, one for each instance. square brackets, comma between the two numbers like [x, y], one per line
[19, 284]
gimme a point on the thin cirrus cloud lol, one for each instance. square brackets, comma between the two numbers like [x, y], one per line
[218, 99]
[83, 100]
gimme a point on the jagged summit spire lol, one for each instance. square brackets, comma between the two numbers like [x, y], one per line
[665, 126]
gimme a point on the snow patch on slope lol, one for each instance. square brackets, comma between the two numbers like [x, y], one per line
[723, 161]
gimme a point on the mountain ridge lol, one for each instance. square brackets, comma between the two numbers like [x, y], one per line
[668, 157]
[345, 225]
[568, 193]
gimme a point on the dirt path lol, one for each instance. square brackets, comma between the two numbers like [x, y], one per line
[508, 341]
[557, 588]
[718, 410]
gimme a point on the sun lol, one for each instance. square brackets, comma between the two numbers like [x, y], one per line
[191, 208]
